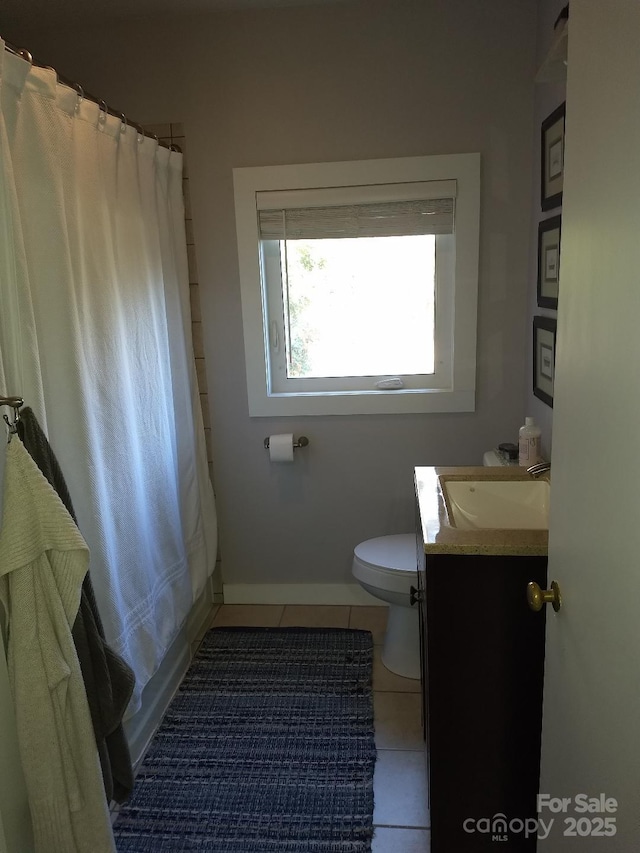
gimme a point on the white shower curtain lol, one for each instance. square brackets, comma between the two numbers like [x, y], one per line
[95, 335]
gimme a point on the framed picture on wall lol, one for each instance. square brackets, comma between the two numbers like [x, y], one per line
[549, 231]
[552, 153]
[544, 358]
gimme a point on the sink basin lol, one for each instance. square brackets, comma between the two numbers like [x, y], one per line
[498, 504]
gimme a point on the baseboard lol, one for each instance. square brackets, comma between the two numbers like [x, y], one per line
[299, 593]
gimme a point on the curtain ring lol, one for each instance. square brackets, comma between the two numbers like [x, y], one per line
[123, 123]
[24, 53]
[102, 113]
[140, 134]
[80, 93]
[51, 68]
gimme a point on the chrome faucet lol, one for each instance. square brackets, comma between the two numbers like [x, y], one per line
[539, 468]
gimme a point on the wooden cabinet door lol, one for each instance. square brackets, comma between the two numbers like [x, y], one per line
[483, 675]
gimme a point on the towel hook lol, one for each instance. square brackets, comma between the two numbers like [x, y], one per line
[15, 403]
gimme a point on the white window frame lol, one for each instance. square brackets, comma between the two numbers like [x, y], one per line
[458, 393]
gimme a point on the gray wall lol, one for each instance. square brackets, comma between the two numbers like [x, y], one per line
[548, 96]
[357, 80]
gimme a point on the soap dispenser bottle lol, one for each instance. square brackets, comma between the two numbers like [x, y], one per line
[529, 443]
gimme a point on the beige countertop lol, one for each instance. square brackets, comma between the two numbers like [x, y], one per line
[441, 537]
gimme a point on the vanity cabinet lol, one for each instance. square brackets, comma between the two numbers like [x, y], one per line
[482, 675]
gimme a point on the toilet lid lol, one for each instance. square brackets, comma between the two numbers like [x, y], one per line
[389, 552]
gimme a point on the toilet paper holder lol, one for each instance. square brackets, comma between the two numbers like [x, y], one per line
[303, 441]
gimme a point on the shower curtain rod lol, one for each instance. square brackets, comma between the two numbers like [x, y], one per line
[23, 53]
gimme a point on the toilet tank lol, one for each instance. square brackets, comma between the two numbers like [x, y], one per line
[504, 454]
[491, 458]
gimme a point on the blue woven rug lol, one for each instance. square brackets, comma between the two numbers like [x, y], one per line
[266, 748]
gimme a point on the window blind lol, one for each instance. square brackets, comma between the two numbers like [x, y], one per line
[380, 219]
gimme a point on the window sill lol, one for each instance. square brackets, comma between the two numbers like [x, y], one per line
[362, 403]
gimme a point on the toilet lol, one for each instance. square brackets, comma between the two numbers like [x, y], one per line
[386, 568]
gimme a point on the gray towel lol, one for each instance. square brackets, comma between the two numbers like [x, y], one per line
[108, 680]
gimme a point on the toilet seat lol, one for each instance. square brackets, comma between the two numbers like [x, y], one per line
[387, 562]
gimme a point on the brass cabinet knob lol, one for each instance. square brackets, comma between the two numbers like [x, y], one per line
[415, 595]
[537, 597]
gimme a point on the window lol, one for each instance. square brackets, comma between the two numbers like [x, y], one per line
[359, 285]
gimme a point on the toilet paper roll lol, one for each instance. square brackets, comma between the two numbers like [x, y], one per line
[281, 447]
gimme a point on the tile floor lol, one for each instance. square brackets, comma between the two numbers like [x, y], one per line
[400, 812]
